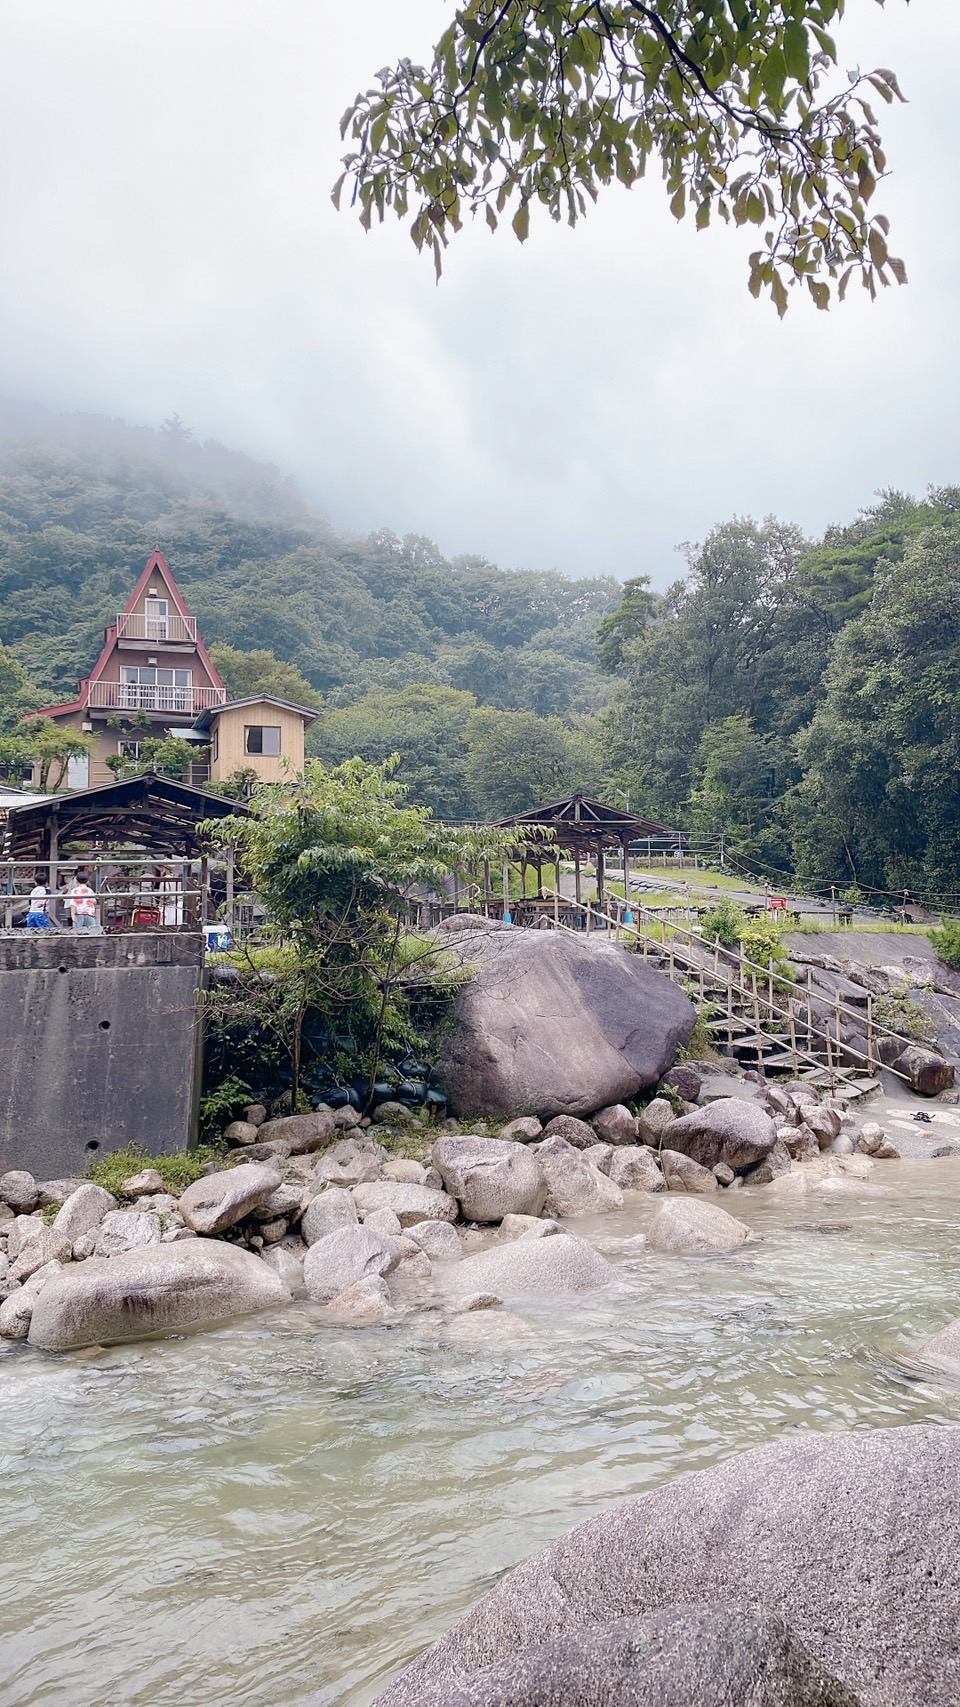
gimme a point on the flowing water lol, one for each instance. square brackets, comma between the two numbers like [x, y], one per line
[277, 1512]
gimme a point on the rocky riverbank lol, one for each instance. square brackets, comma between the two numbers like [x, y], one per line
[321, 1206]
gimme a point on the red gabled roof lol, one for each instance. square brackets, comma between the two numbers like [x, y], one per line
[156, 565]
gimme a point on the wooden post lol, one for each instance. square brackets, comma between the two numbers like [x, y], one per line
[556, 904]
[576, 875]
[628, 910]
[487, 888]
[204, 890]
[8, 912]
[600, 877]
[793, 1041]
[230, 875]
[53, 868]
[870, 1037]
[507, 915]
[837, 1018]
[588, 917]
[770, 986]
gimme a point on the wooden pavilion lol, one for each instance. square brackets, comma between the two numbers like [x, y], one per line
[143, 819]
[585, 830]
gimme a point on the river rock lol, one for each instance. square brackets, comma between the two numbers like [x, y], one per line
[283, 1203]
[552, 1023]
[404, 1170]
[684, 1656]
[775, 1164]
[50, 1191]
[812, 1528]
[20, 1190]
[686, 1226]
[84, 1210]
[615, 1125]
[654, 1121]
[801, 1143]
[218, 1201]
[286, 1261]
[825, 1123]
[633, 1167]
[410, 1203]
[16, 1311]
[335, 1262]
[573, 1186]
[49, 1244]
[598, 1156]
[524, 1130]
[151, 1290]
[302, 1132]
[684, 1081]
[546, 1266]
[385, 1221]
[19, 1230]
[926, 1072]
[942, 1350]
[437, 1238]
[328, 1211]
[127, 1230]
[242, 1132]
[255, 1114]
[577, 1133]
[527, 1227]
[365, 1304]
[144, 1184]
[731, 1130]
[350, 1163]
[682, 1173]
[491, 1177]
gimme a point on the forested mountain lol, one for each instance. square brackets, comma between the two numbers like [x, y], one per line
[356, 620]
[802, 697]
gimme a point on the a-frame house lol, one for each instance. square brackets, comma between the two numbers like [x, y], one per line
[154, 677]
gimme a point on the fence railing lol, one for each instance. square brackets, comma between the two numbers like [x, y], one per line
[142, 696]
[136, 625]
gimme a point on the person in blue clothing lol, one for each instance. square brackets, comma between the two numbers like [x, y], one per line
[38, 917]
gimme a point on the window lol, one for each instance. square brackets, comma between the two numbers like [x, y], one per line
[128, 749]
[215, 745]
[156, 625]
[143, 687]
[262, 738]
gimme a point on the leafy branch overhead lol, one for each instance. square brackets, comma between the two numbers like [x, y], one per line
[741, 100]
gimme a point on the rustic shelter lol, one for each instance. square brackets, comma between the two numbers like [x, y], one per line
[147, 818]
[585, 829]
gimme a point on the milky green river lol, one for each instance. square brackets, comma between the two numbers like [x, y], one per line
[277, 1513]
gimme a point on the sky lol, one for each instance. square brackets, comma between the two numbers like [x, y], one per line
[585, 402]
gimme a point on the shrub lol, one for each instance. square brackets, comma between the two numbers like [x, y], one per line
[762, 942]
[725, 923]
[946, 941]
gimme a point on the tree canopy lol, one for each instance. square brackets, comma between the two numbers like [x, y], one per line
[742, 102]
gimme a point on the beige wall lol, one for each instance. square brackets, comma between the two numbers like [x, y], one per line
[230, 749]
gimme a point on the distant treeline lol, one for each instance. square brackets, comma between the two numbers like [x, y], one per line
[802, 697]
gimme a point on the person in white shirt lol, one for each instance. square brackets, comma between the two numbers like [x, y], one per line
[82, 904]
[38, 918]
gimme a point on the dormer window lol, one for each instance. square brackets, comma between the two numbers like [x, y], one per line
[156, 614]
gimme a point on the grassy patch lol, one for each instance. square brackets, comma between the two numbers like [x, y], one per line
[177, 1171]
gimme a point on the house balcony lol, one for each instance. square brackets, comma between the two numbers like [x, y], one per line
[165, 701]
[171, 630]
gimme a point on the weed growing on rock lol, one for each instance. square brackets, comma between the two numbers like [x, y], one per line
[177, 1171]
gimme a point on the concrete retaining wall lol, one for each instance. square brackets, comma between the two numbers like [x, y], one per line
[99, 1046]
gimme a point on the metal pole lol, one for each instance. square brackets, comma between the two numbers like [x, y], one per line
[507, 915]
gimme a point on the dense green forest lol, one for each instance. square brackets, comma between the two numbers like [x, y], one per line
[802, 697]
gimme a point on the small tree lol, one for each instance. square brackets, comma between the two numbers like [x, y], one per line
[43, 743]
[334, 856]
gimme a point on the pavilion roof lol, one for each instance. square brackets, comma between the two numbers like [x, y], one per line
[150, 811]
[589, 823]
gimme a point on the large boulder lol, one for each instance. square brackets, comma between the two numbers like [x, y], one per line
[616, 1125]
[410, 1203]
[574, 1186]
[491, 1177]
[148, 1291]
[686, 1656]
[47, 1245]
[127, 1230]
[854, 1539]
[20, 1190]
[682, 1173]
[925, 1070]
[731, 1130]
[326, 1212]
[550, 1023]
[335, 1262]
[218, 1201]
[300, 1132]
[547, 1266]
[687, 1226]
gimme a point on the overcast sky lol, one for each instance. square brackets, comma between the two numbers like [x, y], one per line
[583, 403]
